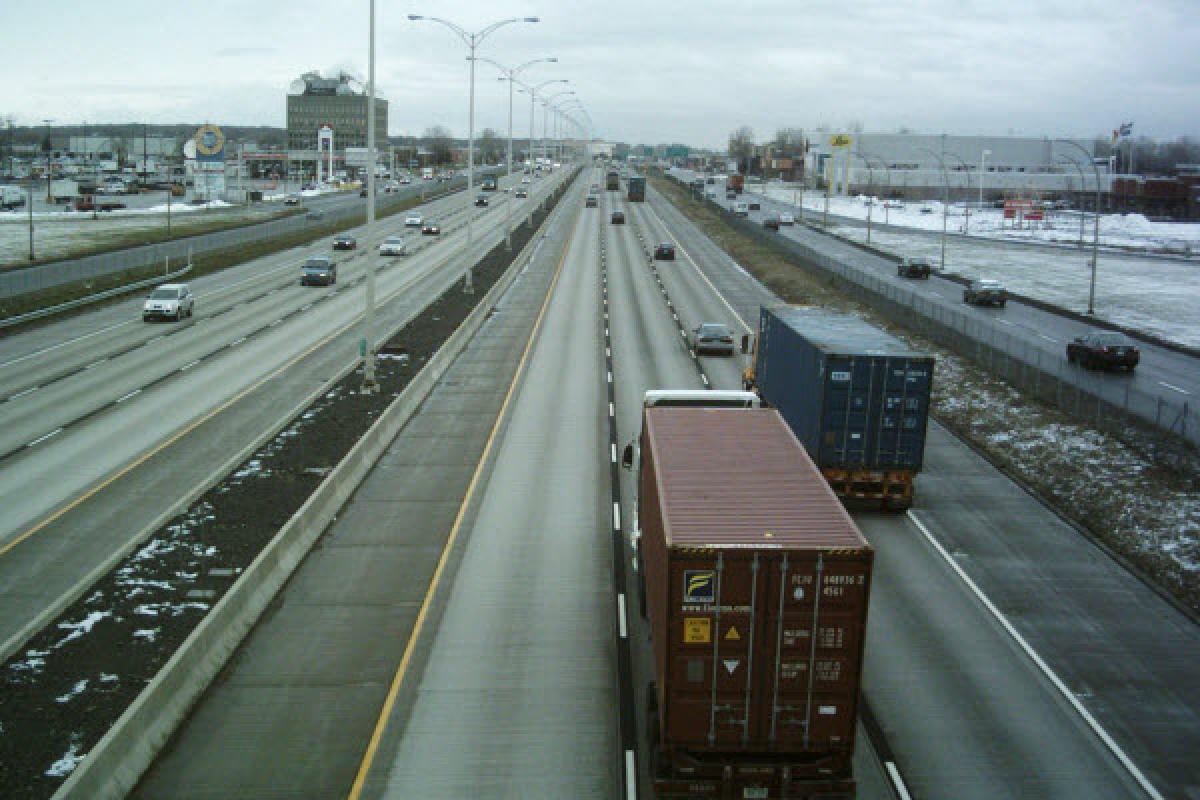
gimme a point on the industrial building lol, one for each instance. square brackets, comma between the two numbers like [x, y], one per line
[917, 166]
[338, 103]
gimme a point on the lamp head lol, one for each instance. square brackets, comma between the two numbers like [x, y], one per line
[415, 16]
[532, 19]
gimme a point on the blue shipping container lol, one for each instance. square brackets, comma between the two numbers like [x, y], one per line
[856, 397]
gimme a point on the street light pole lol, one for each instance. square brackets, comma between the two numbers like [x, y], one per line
[982, 161]
[1091, 309]
[366, 347]
[472, 40]
[1082, 184]
[945, 201]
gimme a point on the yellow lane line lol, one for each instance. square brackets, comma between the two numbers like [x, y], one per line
[389, 703]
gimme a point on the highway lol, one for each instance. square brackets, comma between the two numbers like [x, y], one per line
[459, 632]
[112, 425]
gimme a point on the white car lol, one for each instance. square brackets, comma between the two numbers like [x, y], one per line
[525, 179]
[394, 246]
[169, 301]
[412, 221]
[787, 219]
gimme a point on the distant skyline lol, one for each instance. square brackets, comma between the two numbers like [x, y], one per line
[645, 72]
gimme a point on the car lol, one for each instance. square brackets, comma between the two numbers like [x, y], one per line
[740, 209]
[618, 218]
[291, 201]
[394, 246]
[787, 219]
[590, 202]
[914, 268]
[1103, 350]
[664, 251]
[771, 223]
[755, 205]
[345, 242]
[985, 292]
[893, 204]
[318, 271]
[520, 194]
[362, 192]
[525, 179]
[481, 201]
[315, 215]
[431, 228]
[405, 181]
[713, 337]
[730, 195]
[413, 221]
[710, 194]
[169, 301]
[926, 209]
[594, 188]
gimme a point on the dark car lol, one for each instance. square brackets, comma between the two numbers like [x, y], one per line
[730, 195]
[590, 202]
[318, 271]
[985, 292]
[664, 252]
[914, 268]
[1103, 350]
[618, 218]
[344, 242]
[520, 194]
[431, 228]
[481, 200]
[771, 223]
[755, 205]
[291, 201]
[713, 337]
[362, 192]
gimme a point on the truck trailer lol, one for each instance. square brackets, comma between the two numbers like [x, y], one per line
[637, 189]
[755, 584]
[855, 396]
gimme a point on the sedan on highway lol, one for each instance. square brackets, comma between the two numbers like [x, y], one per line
[394, 246]
[772, 223]
[344, 242]
[431, 228]
[665, 251]
[590, 202]
[169, 301]
[713, 337]
[618, 218]
[481, 201]
[1103, 350]
[520, 194]
[914, 268]
[318, 271]
[787, 219]
[291, 201]
[986, 292]
[413, 221]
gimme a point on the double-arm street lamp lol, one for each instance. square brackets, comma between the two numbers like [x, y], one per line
[547, 105]
[510, 75]
[1091, 309]
[472, 41]
[532, 91]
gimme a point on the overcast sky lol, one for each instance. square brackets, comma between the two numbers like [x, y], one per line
[646, 71]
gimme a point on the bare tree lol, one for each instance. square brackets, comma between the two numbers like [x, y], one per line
[741, 146]
[490, 146]
[789, 141]
[440, 143]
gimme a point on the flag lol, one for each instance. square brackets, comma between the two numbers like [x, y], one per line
[1116, 135]
[1127, 129]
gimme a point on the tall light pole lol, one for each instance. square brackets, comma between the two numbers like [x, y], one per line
[1091, 309]
[510, 75]
[982, 161]
[945, 200]
[966, 170]
[472, 41]
[546, 107]
[532, 91]
[50, 149]
[366, 348]
[888, 172]
[1082, 185]
[871, 185]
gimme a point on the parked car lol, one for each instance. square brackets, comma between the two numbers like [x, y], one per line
[755, 205]
[318, 271]
[590, 202]
[291, 201]
[713, 337]
[771, 223]
[431, 228]
[618, 218]
[985, 292]
[665, 251]
[345, 242]
[914, 268]
[893, 204]
[169, 301]
[730, 195]
[740, 209]
[394, 246]
[413, 221]
[1103, 350]
[787, 219]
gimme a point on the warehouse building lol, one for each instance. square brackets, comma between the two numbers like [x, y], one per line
[338, 103]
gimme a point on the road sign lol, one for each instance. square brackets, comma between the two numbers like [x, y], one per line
[840, 140]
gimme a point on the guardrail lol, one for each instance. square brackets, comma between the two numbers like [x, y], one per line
[114, 766]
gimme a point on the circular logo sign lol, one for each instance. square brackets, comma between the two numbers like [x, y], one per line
[209, 140]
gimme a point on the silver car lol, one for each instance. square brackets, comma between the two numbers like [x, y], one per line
[394, 246]
[169, 301]
[713, 337]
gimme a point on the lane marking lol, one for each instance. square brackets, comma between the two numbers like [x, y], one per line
[611, 411]
[630, 777]
[186, 367]
[616, 516]
[45, 350]
[1173, 387]
[897, 781]
[125, 397]
[96, 364]
[613, 453]
[1050, 675]
[30, 390]
[1004, 322]
[389, 703]
[1048, 338]
[622, 626]
[44, 437]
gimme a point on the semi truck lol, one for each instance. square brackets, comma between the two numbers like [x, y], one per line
[755, 583]
[489, 183]
[612, 181]
[735, 183]
[637, 189]
[855, 396]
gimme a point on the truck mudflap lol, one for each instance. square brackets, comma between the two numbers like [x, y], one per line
[890, 490]
[685, 775]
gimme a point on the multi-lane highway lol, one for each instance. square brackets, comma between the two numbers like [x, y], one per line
[462, 630]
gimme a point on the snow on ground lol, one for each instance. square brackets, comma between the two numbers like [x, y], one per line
[67, 764]
[1155, 295]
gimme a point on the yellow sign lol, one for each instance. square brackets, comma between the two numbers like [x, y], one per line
[697, 630]
[210, 141]
[840, 140]
[732, 635]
